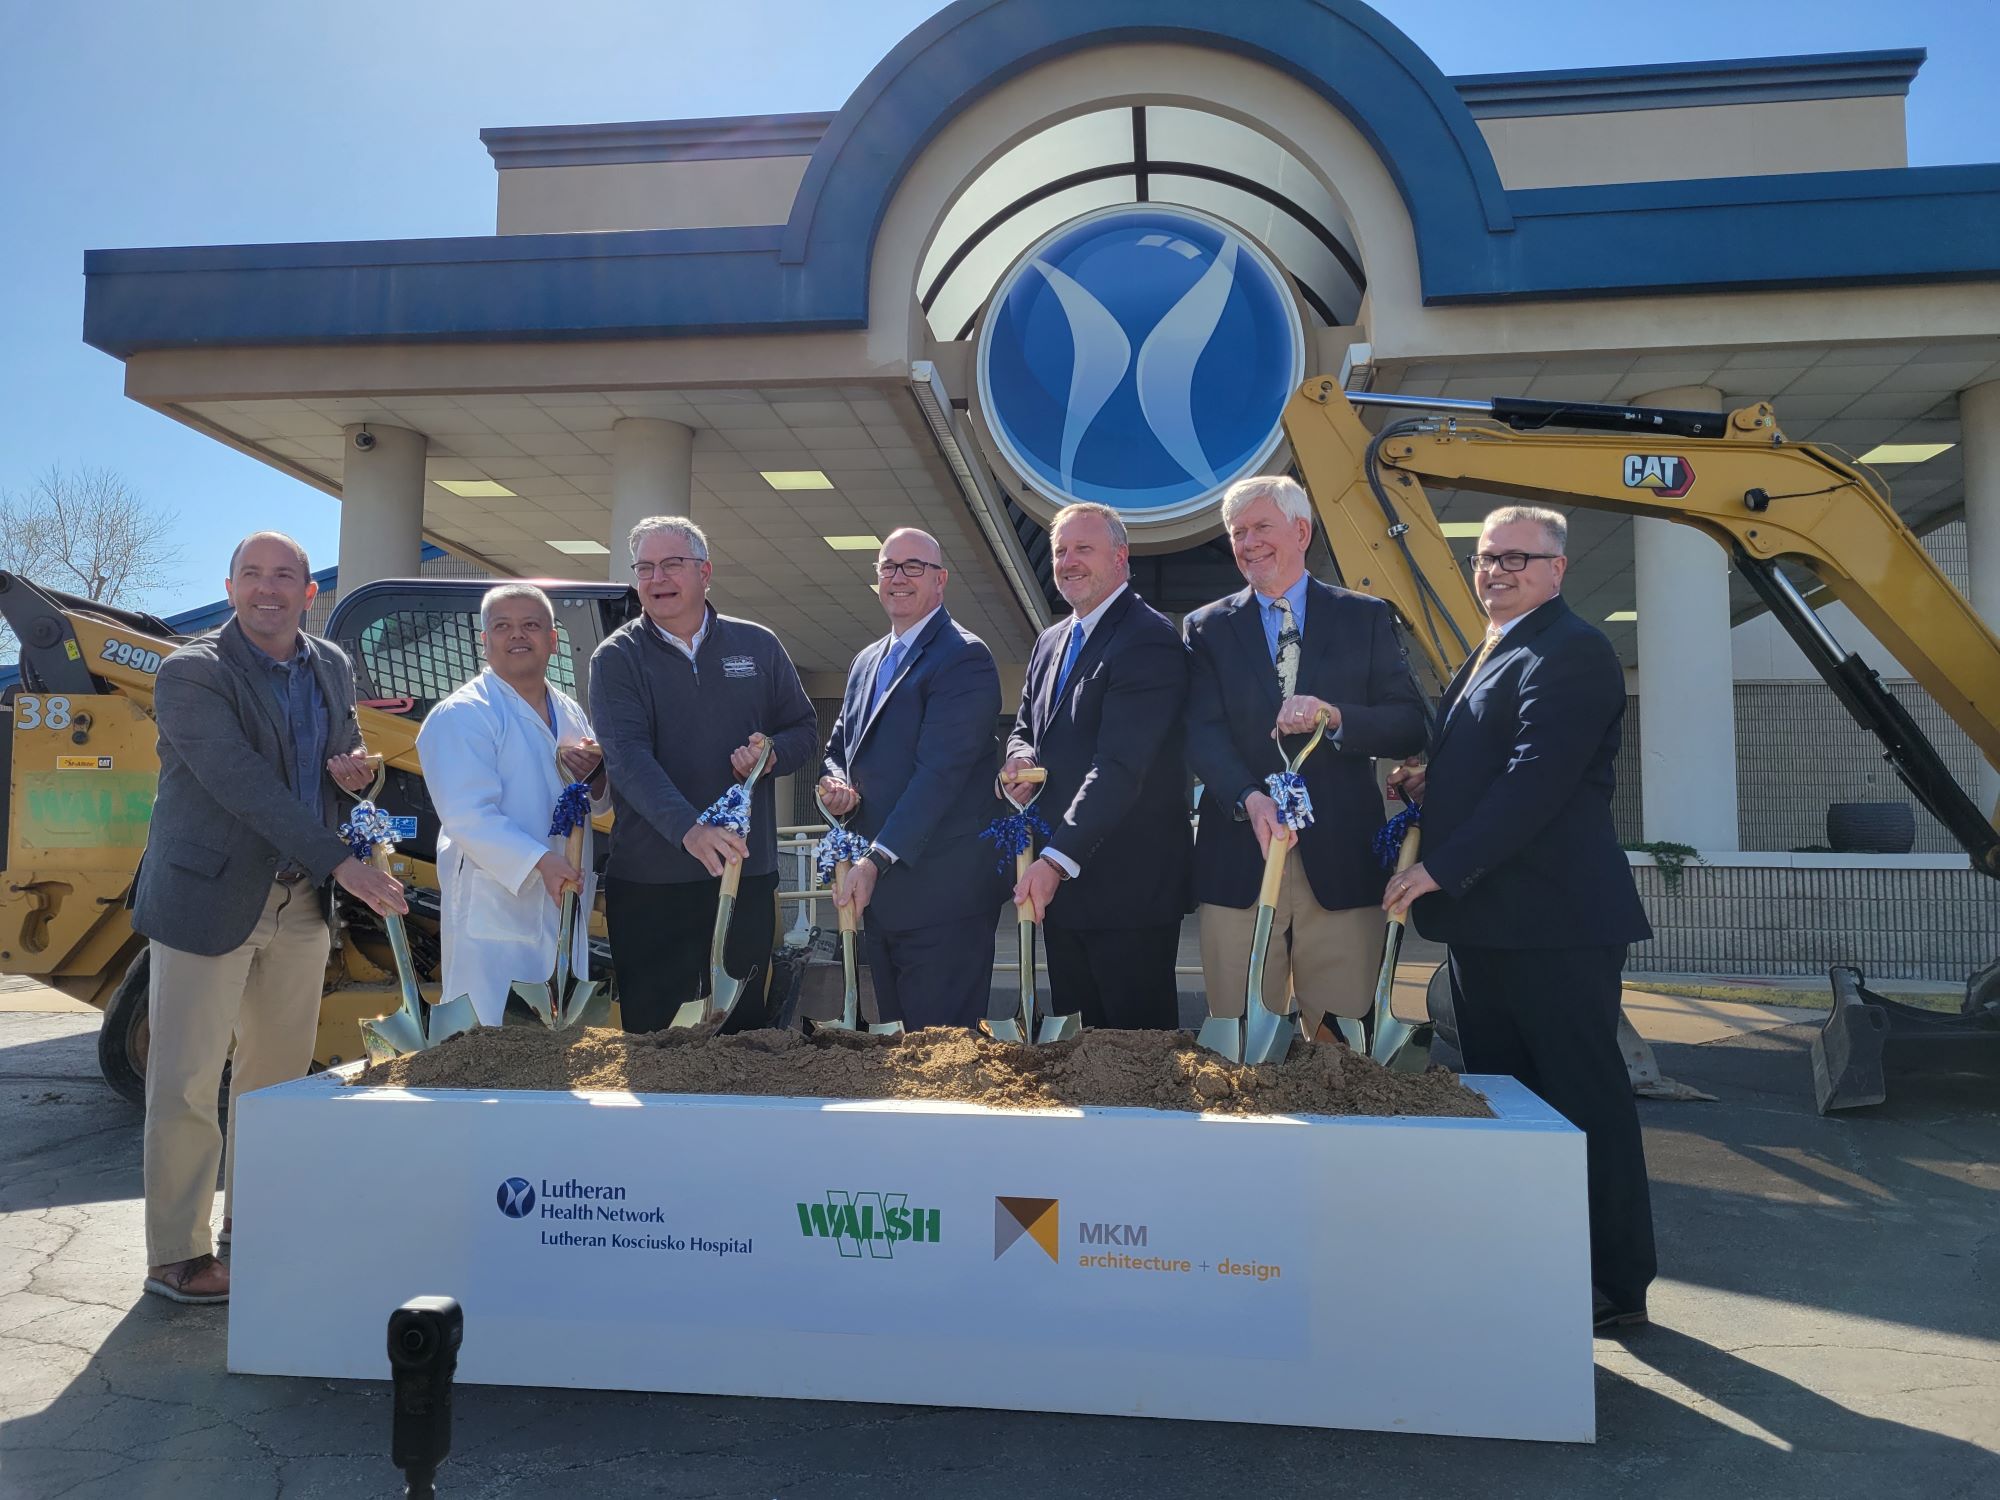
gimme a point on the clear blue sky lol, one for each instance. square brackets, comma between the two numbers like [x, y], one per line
[234, 121]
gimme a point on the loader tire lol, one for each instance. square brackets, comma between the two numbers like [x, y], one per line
[122, 1039]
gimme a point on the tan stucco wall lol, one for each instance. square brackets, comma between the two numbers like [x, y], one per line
[1728, 140]
[649, 195]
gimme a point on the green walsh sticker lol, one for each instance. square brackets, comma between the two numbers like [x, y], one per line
[106, 809]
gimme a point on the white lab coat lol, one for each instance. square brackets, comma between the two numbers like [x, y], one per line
[490, 765]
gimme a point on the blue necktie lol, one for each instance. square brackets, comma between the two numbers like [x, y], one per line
[1069, 659]
[885, 675]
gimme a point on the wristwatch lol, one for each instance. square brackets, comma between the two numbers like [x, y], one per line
[879, 860]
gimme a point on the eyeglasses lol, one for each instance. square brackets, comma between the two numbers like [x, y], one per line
[665, 566]
[915, 568]
[1506, 562]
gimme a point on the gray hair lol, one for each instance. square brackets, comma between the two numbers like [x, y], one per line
[697, 539]
[1287, 493]
[1113, 522]
[503, 591]
[1552, 522]
[305, 566]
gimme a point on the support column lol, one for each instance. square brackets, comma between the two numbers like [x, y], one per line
[1979, 437]
[1687, 679]
[381, 504]
[652, 474]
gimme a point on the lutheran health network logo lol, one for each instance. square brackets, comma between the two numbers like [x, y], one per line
[1140, 356]
[598, 1216]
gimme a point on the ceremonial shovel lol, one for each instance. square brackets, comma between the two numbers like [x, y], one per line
[850, 935]
[563, 1000]
[724, 989]
[1263, 1035]
[1388, 1031]
[412, 1026]
[1022, 1026]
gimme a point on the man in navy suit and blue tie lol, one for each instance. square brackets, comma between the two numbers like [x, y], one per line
[1101, 713]
[1523, 876]
[912, 757]
[1267, 664]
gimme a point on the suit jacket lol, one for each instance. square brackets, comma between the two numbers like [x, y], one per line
[1517, 800]
[1351, 656]
[1116, 794]
[226, 816]
[924, 763]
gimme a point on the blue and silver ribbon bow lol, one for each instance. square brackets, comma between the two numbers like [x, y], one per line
[837, 845]
[1015, 834]
[1295, 804]
[572, 808]
[366, 827]
[1389, 837]
[731, 811]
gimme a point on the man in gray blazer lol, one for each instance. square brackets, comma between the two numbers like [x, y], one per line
[258, 738]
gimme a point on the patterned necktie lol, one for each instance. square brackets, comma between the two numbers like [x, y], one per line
[1070, 655]
[885, 676]
[1288, 648]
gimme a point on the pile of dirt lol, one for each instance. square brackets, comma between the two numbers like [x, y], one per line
[1148, 1069]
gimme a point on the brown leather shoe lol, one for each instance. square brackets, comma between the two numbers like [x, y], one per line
[198, 1282]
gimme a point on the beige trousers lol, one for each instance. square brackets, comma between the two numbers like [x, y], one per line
[1329, 960]
[266, 995]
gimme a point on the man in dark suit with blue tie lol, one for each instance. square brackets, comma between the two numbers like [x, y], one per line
[1268, 662]
[912, 757]
[1523, 876]
[1101, 714]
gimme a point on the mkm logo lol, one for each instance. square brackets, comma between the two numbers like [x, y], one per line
[1662, 473]
[1036, 1219]
[1111, 1234]
[516, 1197]
[877, 1222]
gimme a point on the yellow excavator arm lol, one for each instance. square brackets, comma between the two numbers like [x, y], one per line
[1770, 503]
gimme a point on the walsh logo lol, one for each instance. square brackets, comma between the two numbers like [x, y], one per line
[516, 1198]
[870, 1223]
[1035, 1219]
[1662, 473]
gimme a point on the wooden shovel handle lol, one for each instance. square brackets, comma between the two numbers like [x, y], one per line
[1405, 857]
[1023, 910]
[732, 878]
[1029, 775]
[1274, 872]
[849, 922]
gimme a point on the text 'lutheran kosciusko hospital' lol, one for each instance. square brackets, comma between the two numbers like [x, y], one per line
[790, 326]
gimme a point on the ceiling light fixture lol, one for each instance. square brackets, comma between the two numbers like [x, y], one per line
[795, 479]
[473, 489]
[1905, 453]
[853, 543]
[581, 549]
[1461, 529]
[1621, 617]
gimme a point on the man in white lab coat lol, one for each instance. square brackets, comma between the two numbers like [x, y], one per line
[489, 754]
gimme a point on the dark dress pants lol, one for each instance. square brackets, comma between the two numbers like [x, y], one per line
[941, 975]
[1549, 1017]
[661, 934]
[1120, 977]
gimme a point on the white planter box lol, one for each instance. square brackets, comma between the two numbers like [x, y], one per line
[1395, 1274]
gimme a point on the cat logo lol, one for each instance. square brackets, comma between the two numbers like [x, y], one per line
[1662, 473]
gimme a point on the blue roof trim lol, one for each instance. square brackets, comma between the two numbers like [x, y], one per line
[1747, 80]
[726, 138]
[1475, 241]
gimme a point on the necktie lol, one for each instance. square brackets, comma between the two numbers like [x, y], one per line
[885, 675]
[1493, 634]
[1288, 648]
[1069, 659]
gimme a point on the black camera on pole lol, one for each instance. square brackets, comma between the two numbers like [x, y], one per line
[424, 1335]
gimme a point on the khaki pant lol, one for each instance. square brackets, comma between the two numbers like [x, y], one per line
[266, 995]
[1329, 960]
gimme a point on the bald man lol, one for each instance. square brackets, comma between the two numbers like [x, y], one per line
[912, 758]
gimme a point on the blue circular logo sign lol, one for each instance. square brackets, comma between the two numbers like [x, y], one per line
[1141, 357]
[516, 1197]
